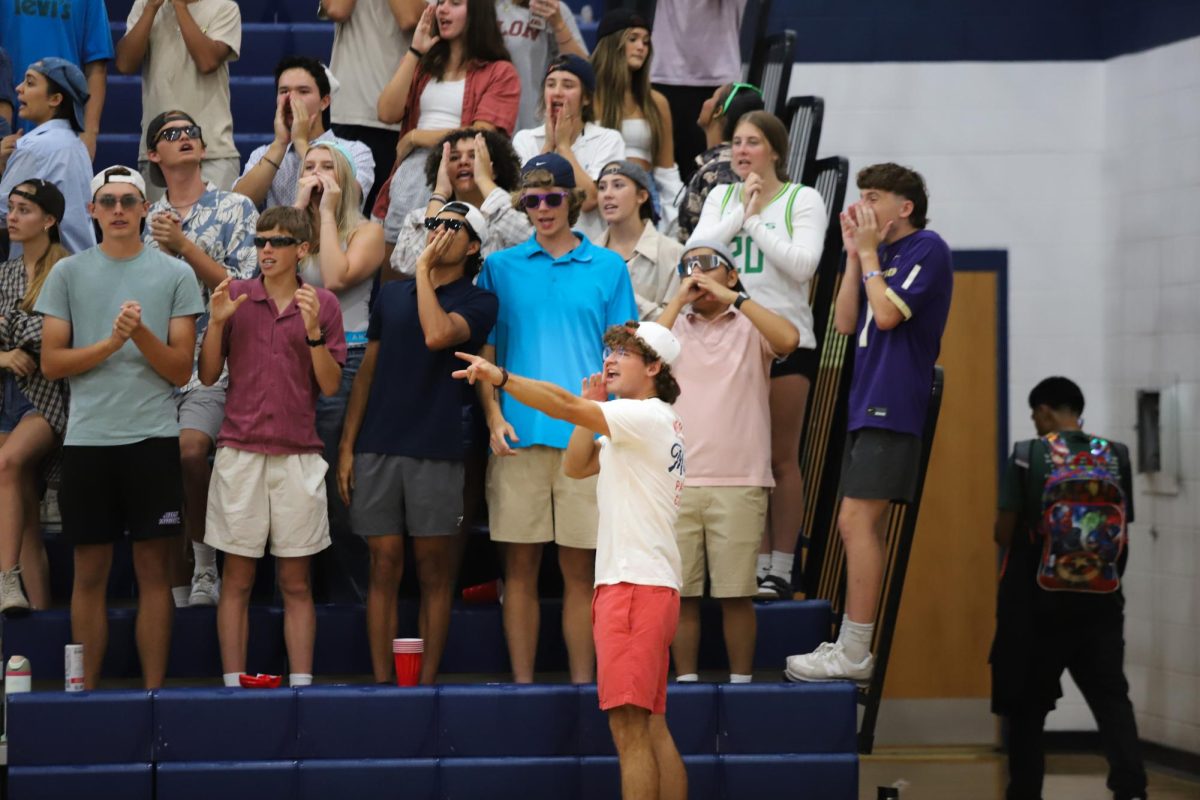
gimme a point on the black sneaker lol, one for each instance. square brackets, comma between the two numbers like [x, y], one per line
[774, 587]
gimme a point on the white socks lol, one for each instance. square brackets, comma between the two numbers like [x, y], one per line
[206, 557]
[764, 565]
[299, 679]
[855, 639]
[740, 678]
[690, 677]
[232, 679]
[181, 595]
[781, 564]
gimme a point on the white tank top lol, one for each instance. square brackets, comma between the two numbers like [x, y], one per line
[441, 105]
[637, 136]
[355, 301]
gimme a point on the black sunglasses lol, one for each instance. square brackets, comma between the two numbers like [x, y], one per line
[704, 263]
[173, 134]
[275, 241]
[127, 201]
[433, 223]
[533, 200]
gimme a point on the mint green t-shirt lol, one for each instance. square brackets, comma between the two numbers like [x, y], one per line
[122, 400]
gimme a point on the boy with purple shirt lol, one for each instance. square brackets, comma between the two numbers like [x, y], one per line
[283, 347]
[903, 272]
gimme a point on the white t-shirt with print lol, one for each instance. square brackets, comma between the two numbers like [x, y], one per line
[641, 480]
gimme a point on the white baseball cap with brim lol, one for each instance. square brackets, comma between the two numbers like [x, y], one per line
[474, 217]
[660, 340]
[126, 176]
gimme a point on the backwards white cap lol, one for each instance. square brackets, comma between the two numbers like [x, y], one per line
[660, 340]
[103, 177]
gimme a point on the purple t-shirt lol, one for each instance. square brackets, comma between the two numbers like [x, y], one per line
[893, 370]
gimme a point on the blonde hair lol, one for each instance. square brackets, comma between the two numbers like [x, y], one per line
[349, 208]
[54, 253]
[614, 80]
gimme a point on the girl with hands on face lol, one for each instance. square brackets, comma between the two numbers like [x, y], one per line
[33, 410]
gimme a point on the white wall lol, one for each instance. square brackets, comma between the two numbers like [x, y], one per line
[1088, 174]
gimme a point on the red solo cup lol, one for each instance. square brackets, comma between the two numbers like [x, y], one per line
[408, 645]
[481, 593]
[408, 668]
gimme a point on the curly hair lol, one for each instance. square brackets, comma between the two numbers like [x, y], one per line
[542, 179]
[666, 388]
[506, 167]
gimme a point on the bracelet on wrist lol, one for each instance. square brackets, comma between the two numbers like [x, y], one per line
[440, 198]
[416, 52]
[872, 274]
[503, 378]
[272, 163]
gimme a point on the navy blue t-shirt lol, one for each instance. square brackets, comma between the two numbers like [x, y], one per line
[893, 370]
[415, 407]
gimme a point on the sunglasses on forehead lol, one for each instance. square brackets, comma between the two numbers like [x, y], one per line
[433, 223]
[704, 263]
[737, 87]
[534, 200]
[275, 241]
[173, 134]
[127, 201]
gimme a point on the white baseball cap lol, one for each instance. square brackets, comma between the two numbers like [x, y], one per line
[660, 340]
[133, 177]
[474, 217]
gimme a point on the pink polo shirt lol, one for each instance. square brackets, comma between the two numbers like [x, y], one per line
[271, 403]
[724, 374]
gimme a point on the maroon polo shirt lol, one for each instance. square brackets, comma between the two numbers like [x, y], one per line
[271, 403]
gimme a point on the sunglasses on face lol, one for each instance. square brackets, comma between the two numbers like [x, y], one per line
[552, 200]
[433, 223]
[275, 241]
[619, 352]
[737, 87]
[173, 134]
[704, 263]
[127, 201]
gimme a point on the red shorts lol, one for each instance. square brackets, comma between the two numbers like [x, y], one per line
[633, 626]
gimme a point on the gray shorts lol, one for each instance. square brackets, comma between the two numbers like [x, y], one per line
[402, 495]
[881, 465]
[202, 409]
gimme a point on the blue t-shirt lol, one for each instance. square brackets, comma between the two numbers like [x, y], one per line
[893, 370]
[415, 407]
[76, 30]
[553, 314]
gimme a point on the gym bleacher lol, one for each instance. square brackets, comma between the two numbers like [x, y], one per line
[468, 737]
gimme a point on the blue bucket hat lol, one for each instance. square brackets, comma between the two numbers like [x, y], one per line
[69, 78]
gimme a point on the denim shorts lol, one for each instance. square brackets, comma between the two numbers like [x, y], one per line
[15, 405]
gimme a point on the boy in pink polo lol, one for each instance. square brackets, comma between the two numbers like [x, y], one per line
[727, 343]
[284, 343]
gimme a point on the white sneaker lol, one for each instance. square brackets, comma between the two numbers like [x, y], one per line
[829, 663]
[51, 516]
[206, 588]
[13, 601]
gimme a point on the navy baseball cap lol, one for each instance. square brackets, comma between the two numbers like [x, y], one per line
[69, 78]
[576, 65]
[558, 167]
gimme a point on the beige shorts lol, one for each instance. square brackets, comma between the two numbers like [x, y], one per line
[531, 501]
[721, 528]
[254, 497]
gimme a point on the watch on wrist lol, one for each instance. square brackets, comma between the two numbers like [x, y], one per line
[741, 298]
[317, 342]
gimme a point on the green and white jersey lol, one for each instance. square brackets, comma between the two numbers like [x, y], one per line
[776, 251]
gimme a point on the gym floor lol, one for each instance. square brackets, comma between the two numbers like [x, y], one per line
[957, 773]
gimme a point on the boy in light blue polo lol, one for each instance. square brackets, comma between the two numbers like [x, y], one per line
[558, 293]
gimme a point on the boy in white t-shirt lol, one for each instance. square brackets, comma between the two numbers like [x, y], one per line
[639, 459]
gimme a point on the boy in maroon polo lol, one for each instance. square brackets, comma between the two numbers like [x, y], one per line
[284, 343]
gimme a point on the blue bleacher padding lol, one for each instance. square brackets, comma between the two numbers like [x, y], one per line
[785, 628]
[595, 739]
[600, 778]
[265, 44]
[383, 722]
[252, 10]
[509, 778]
[341, 646]
[106, 728]
[126, 781]
[768, 718]
[476, 642]
[507, 720]
[799, 777]
[122, 105]
[691, 718]
[195, 652]
[410, 779]
[205, 780]
[224, 724]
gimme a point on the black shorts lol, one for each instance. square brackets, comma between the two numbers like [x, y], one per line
[802, 361]
[107, 491]
[879, 464]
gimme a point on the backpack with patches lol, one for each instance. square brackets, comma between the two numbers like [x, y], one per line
[1083, 519]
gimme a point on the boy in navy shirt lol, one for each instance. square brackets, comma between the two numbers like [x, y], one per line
[894, 299]
[401, 458]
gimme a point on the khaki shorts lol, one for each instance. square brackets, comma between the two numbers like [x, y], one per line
[721, 527]
[255, 497]
[530, 501]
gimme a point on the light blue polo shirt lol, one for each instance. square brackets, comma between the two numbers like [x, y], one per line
[553, 314]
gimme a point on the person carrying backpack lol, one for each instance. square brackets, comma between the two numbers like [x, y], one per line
[1065, 501]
